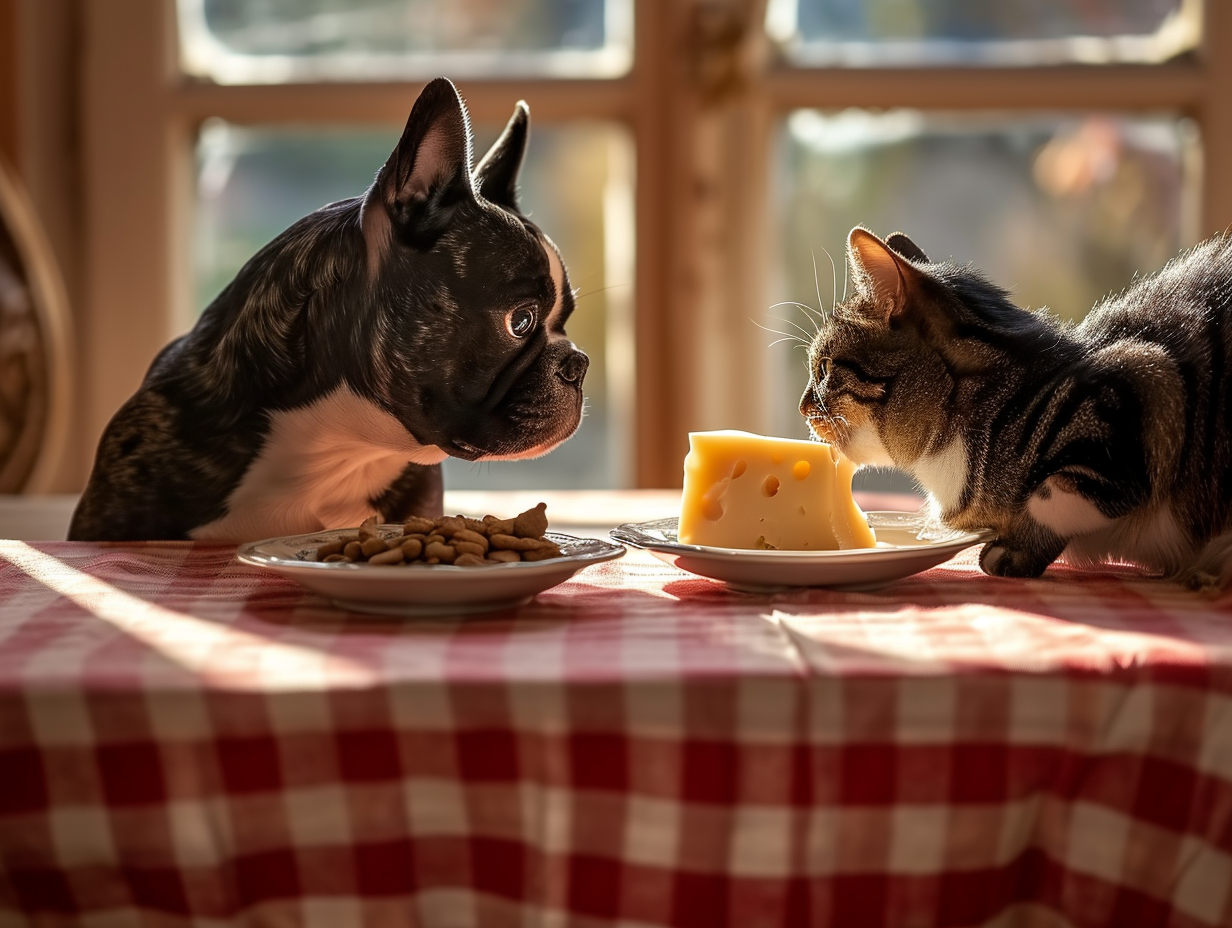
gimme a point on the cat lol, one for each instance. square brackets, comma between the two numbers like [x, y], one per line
[1105, 441]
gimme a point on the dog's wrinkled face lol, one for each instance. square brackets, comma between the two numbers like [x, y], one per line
[494, 374]
[474, 358]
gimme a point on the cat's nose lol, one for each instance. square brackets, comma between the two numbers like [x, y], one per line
[808, 402]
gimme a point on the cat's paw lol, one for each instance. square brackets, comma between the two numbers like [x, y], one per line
[997, 559]
[1202, 581]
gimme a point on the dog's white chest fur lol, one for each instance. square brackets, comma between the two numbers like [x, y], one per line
[319, 468]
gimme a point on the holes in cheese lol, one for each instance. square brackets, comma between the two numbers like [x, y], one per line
[743, 490]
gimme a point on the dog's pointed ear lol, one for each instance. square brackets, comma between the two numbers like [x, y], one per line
[429, 173]
[497, 174]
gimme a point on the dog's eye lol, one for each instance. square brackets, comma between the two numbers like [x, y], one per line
[520, 321]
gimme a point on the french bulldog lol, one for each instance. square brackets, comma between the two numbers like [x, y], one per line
[352, 354]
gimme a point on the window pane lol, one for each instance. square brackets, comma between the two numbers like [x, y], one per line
[576, 184]
[238, 41]
[1058, 210]
[881, 32]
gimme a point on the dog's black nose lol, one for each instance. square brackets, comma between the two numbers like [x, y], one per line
[573, 367]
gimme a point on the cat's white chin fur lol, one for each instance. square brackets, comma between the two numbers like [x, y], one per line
[864, 446]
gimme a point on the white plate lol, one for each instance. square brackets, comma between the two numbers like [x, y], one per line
[904, 547]
[437, 589]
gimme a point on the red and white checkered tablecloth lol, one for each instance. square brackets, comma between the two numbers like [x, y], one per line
[186, 740]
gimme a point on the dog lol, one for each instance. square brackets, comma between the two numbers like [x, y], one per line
[352, 354]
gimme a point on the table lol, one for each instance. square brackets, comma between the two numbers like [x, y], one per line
[186, 740]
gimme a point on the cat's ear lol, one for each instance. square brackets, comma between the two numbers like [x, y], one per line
[906, 247]
[878, 273]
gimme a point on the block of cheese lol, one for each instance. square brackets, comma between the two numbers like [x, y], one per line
[752, 491]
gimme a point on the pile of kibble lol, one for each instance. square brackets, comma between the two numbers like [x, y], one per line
[456, 540]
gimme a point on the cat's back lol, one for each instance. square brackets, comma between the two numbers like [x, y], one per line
[1159, 356]
[1185, 304]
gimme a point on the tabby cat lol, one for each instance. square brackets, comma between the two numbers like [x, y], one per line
[1106, 441]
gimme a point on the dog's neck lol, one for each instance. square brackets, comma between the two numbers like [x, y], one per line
[244, 343]
[320, 467]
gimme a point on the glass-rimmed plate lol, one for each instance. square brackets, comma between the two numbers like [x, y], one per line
[906, 544]
[422, 590]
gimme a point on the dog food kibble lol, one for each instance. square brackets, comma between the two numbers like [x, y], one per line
[453, 540]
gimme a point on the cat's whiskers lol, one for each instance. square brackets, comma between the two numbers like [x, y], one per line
[809, 314]
[821, 307]
[816, 317]
[827, 315]
[799, 343]
[804, 338]
[833, 284]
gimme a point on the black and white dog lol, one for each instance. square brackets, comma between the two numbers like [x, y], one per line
[353, 354]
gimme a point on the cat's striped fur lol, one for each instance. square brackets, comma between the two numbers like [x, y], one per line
[1106, 441]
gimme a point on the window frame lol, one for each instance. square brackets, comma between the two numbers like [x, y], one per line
[700, 102]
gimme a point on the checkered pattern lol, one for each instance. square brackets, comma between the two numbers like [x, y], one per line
[186, 740]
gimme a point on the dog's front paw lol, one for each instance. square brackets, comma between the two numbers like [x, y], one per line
[998, 559]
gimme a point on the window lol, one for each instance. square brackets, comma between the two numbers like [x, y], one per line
[1029, 33]
[716, 153]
